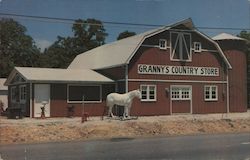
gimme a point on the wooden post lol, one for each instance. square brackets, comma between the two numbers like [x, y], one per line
[85, 115]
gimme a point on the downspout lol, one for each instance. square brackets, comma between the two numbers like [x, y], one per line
[126, 78]
[228, 105]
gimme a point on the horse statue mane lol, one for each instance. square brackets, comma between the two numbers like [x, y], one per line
[125, 100]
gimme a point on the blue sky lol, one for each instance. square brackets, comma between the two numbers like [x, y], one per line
[204, 13]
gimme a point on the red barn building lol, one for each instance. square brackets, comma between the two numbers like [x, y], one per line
[177, 68]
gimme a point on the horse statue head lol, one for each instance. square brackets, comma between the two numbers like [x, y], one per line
[136, 93]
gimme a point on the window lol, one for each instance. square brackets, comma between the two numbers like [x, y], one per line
[162, 44]
[91, 93]
[197, 46]
[180, 92]
[148, 93]
[180, 46]
[22, 93]
[175, 93]
[13, 94]
[211, 93]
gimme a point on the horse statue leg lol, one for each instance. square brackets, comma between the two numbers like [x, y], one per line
[126, 113]
[129, 108]
[110, 113]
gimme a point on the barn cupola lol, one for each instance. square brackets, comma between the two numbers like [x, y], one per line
[234, 49]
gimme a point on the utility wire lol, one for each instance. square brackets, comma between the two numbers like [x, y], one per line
[119, 24]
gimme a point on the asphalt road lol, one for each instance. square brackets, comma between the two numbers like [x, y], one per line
[215, 147]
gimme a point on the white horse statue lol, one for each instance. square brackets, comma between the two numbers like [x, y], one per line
[122, 100]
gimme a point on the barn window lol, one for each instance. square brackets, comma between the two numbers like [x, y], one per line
[162, 44]
[180, 92]
[148, 93]
[22, 93]
[90, 93]
[180, 46]
[211, 93]
[13, 94]
[197, 46]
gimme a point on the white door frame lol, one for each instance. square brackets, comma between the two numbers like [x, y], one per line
[191, 97]
[41, 95]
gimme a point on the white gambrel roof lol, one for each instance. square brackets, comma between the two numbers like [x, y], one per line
[226, 36]
[57, 75]
[109, 55]
[120, 52]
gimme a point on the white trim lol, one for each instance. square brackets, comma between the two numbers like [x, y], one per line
[176, 81]
[181, 40]
[151, 46]
[12, 75]
[164, 42]
[168, 47]
[100, 90]
[209, 50]
[22, 101]
[126, 78]
[148, 93]
[228, 102]
[31, 104]
[180, 87]
[210, 93]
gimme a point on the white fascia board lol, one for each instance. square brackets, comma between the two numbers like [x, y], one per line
[12, 75]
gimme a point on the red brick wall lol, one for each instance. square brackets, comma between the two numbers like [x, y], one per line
[59, 105]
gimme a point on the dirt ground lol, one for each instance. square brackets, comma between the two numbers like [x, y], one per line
[29, 130]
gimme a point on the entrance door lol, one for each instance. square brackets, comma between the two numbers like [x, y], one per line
[181, 99]
[42, 98]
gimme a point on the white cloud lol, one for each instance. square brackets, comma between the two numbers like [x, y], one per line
[42, 43]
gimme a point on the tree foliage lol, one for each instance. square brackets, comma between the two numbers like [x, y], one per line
[246, 35]
[87, 34]
[16, 47]
[125, 34]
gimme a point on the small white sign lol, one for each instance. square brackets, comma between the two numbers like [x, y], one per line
[177, 70]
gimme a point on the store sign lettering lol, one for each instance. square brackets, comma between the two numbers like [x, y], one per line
[177, 70]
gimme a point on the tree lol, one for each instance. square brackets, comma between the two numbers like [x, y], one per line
[16, 47]
[245, 34]
[87, 34]
[125, 34]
